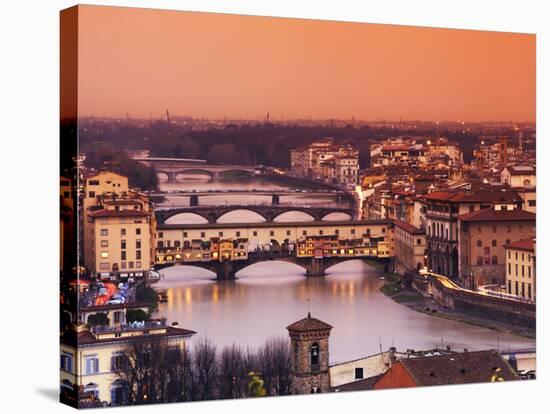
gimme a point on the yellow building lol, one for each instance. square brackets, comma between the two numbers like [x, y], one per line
[521, 269]
[93, 365]
[410, 247]
[119, 227]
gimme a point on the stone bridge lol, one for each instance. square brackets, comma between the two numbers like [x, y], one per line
[268, 212]
[171, 167]
[226, 270]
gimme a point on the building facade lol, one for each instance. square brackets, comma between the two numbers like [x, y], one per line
[482, 237]
[409, 247]
[521, 274]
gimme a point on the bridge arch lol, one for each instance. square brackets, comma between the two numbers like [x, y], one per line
[337, 216]
[259, 263]
[286, 215]
[187, 218]
[201, 171]
[225, 217]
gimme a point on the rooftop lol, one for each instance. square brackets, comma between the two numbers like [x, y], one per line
[460, 368]
[490, 214]
[309, 324]
[524, 244]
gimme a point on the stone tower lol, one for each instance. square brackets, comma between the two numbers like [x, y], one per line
[309, 359]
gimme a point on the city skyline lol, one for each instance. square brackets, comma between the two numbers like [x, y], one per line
[299, 69]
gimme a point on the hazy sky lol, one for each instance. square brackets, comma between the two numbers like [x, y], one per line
[141, 61]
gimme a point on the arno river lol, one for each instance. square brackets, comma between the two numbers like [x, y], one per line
[267, 297]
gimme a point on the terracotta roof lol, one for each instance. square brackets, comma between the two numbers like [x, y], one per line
[87, 338]
[490, 214]
[120, 213]
[525, 244]
[460, 368]
[409, 228]
[479, 196]
[359, 385]
[309, 324]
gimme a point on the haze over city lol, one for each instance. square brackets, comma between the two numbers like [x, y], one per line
[140, 62]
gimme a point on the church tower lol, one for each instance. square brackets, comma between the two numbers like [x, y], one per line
[309, 358]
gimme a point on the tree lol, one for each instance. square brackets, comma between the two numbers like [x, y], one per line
[133, 315]
[205, 369]
[274, 365]
[99, 318]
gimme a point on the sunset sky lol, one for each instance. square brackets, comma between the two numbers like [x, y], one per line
[142, 62]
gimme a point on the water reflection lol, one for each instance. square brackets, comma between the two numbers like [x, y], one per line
[269, 296]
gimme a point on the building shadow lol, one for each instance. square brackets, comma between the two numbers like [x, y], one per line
[51, 394]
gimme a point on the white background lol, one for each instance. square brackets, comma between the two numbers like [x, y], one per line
[29, 141]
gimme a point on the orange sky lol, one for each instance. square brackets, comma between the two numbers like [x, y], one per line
[141, 61]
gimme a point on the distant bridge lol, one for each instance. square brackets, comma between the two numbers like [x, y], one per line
[268, 212]
[172, 167]
[227, 270]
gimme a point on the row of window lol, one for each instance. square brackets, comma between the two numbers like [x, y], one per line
[517, 270]
[123, 265]
[105, 232]
[527, 294]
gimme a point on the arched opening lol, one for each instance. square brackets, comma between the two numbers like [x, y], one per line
[293, 215]
[337, 216]
[241, 216]
[186, 218]
[314, 356]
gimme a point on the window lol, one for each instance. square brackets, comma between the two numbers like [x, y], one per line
[314, 355]
[104, 243]
[66, 362]
[138, 244]
[123, 244]
[104, 232]
[138, 231]
[138, 254]
[117, 362]
[104, 255]
[358, 373]
[123, 232]
[91, 364]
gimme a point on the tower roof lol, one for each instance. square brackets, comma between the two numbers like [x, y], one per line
[309, 324]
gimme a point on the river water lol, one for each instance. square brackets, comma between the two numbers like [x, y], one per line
[269, 296]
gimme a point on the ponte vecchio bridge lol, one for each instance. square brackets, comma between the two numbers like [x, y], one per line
[315, 245]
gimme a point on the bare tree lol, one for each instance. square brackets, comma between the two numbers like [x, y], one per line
[205, 369]
[274, 365]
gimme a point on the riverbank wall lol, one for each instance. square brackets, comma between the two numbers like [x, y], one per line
[499, 309]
